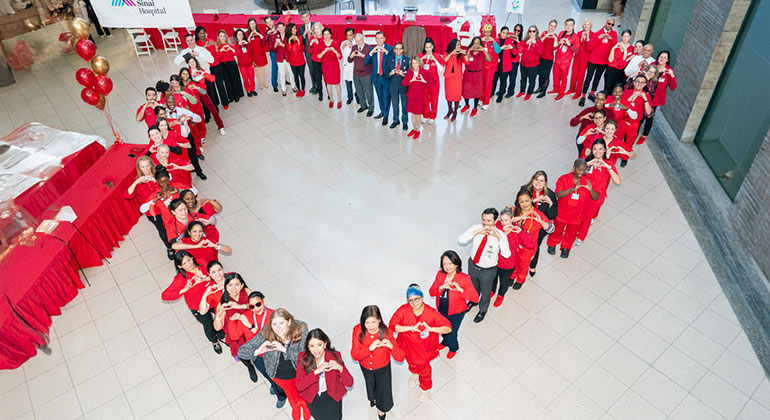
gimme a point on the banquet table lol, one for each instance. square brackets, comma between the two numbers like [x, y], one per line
[37, 198]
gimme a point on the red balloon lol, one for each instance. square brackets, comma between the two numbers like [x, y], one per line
[103, 84]
[89, 96]
[86, 49]
[85, 77]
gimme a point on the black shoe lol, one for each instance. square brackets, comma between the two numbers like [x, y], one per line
[471, 305]
[320, 98]
[202, 176]
[237, 99]
[206, 121]
[248, 94]
[217, 348]
[171, 253]
[350, 100]
[591, 97]
[370, 113]
[254, 93]
[360, 110]
[313, 91]
[499, 99]
[372, 403]
[552, 250]
[280, 403]
[384, 121]
[201, 157]
[379, 116]
[564, 253]
[516, 285]
[253, 375]
[479, 317]
[623, 163]
[541, 94]
[508, 95]
[532, 272]
[394, 124]
[272, 389]
[582, 102]
[382, 417]
[405, 127]
[275, 89]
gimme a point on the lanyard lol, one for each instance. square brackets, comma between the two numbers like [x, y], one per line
[254, 316]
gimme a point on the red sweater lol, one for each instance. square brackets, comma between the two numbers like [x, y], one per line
[549, 46]
[295, 52]
[193, 296]
[458, 302]
[600, 48]
[336, 382]
[380, 357]
[530, 54]
[665, 82]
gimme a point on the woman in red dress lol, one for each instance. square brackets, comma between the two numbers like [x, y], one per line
[531, 221]
[245, 66]
[531, 50]
[198, 85]
[453, 77]
[453, 291]
[229, 67]
[329, 55]
[600, 172]
[419, 81]
[433, 63]
[234, 301]
[295, 50]
[257, 51]
[201, 248]
[473, 79]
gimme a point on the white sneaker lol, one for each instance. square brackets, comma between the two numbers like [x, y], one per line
[222, 131]
[578, 242]
[414, 380]
[203, 140]
[592, 221]
[424, 395]
[484, 107]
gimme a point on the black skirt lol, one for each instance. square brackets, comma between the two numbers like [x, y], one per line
[379, 387]
[324, 407]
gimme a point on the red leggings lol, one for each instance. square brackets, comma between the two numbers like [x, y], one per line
[523, 259]
[213, 110]
[489, 75]
[425, 373]
[560, 78]
[247, 74]
[579, 66]
[591, 211]
[564, 234]
[299, 408]
[431, 101]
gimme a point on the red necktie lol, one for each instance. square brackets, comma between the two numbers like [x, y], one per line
[480, 249]
[379, 63]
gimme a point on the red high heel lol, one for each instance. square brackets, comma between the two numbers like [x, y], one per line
[474, 112]
[339, 105]
[331, 104]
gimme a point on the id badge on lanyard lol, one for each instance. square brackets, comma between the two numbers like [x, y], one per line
[563, 48]
[575, 195]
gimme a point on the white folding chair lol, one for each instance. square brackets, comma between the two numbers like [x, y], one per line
[338, 4]
[348, 12]
[259, 12]
[211, 11]
[141, 41]
[171, 41]
[369, 36]
[379, 12]
[291, 12]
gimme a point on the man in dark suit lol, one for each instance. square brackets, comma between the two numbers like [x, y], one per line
[305, 30]
[396, 66]
[380, 78]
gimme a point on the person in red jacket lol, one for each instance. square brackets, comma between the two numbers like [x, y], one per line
[245, 66]
[617, 61]
[573, 191]
[218, 95]
[419, 81]
[530, 51]
[322, 378]
[666, 80]
[599, 45]
[550, 42]
[600, 172]
[580, 63]
[505, 266]
[373, 346]
[507, 62]
[418, 326]
[586, 117]
[490, 44]
[295, 51]
[453, 290]
[566, 49]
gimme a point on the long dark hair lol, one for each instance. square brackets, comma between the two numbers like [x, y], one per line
[372, 311]
[429, 40]
[452, 45]
[178, 258]
[454, 258]
[198, 30]
[308, 361]
[228, 278]
[517, 210]
[603, 143]
[190, 227]
[256, 25]
[521, 33]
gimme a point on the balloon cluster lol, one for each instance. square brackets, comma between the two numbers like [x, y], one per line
[96, 84]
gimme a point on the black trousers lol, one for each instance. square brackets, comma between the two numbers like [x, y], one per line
[349, 88]
[315, 75]
[379, 387]
[503, 281]
[207, 320]
[594, 72]
[325, 407]
[540, 238]
[612, 77]
[648, 123]
[259, 363]
[528, 74]
[92, 16]
[544, 74]
[221, 90]
[502, 77]
[192, 154]
[299, 76]
[233, 82]
[450, 340]
[512, 79]
[310, 65]
[158, 222]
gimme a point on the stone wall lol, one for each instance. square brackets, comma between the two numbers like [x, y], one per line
[751, 203]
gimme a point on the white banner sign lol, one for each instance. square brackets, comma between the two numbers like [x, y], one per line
[515, 6]
[143, 13]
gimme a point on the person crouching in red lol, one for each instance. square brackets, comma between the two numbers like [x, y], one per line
[573, 191]
[322, 378]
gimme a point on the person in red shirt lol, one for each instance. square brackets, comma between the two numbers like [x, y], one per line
[329, 55]
[145, 187]
[295, 52]
[433, 63]
[146, 112]
[505, 266]
[232, 77]
[177, 165]
[322, 378]
[218, 95]
[531, 221]
[373, 346]
[492, 48]
[530, 51]
[580, 63]
[473, 78]
[418, 326]
[419, 81]
[550, 42]
[573, 191]
[666, 80]
[198, 83]
[600, 172]
[586, 117]
[245, 66]
[599, 45]
[639, 105]
[453, 290]
[191, 282]
[566, 50]
[257, 51]
[508, 62]
[617, 61]
[202, 249]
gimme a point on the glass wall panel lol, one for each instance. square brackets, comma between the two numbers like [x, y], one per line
[668, 25]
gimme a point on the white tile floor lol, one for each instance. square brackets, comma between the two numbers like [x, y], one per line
[328, 211]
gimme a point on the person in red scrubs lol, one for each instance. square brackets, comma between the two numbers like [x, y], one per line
[245, 65]
[453, 291]
[191, 282]
[666, 81]
[617, 61]
[234, 300]
[433, 63]
[590, 133]
[373, 346]
[329, 55]
[550, 42]
[418, 326]
[322, 378]
[573, 191]
[530, 51]
[544, 200]
[600, 172]
[492, 48]
[531, 221]
[419, 81]
[600, 43]
[506, 265]
[201, 248]
[453, 78]
[257, 51]
[146, 112]
[580, 63]
[473, 79]
[566, 50]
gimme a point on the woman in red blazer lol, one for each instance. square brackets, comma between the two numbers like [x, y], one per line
[666, 81]
[322, 378]
[453, 290]
[373, 346]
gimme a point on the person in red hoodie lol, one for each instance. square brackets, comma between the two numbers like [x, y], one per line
[295, 52]
[617, 61]
[550, 42]
[530, 51]
[573, 191]
[580, 63]
[666, 80]
[505, 266]
[600, 44]
[322, 378]
[566, 49]
[453, 290]
[245, 67]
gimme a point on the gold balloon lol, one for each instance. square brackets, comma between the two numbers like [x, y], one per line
[33, 23]
[101, 102]
[100, 65]
[80, 28]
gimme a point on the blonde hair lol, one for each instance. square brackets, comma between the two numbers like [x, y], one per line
[141, 159]
[294, 333]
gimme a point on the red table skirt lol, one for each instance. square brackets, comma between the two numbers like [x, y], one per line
[37, 198]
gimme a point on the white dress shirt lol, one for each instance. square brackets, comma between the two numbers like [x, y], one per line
[632, 69]
[178, 112]
[347, 68]
[492, 248]
[204, 57]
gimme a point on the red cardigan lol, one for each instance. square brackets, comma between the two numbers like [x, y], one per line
[380, 357]
[665, 82]
[458, 302]
[336, 382]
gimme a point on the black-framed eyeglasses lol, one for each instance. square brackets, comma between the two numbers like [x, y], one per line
[256, 305]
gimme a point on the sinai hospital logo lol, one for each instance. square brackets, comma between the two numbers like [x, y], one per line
[117, 3]
[145, 7]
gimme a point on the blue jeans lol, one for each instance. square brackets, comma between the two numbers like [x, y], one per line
[395, 98]
[382, 87]
[259, 363]
[273, 70]
[450, 340]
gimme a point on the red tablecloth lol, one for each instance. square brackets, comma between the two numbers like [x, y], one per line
[37, 198]
[438, 30]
